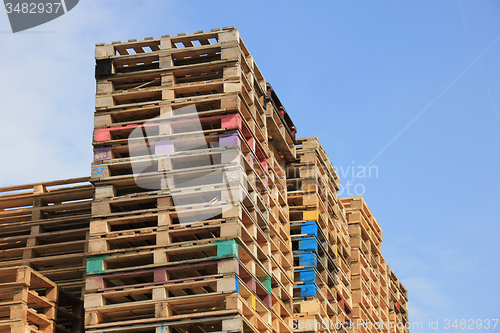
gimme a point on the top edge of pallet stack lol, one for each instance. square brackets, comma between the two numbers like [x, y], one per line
[25, 275]
[313, 144]
[40, 185]
[358, 203]
[182, 34]
[394, 278]
[165, 42]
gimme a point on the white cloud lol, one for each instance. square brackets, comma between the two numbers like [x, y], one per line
[47, 87]
[425, 299]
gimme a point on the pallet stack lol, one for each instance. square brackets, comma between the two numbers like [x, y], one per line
[44, 227]
[376, 292]
[190, 229]
[398, 302]
[320, 241]
[204, 212]
[27, 301]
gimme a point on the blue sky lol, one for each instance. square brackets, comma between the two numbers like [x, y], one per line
[353, 73]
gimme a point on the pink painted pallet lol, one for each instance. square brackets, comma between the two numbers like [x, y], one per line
[176, 274]
[178, 128]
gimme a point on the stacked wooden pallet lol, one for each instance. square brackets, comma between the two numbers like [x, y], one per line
[320, 241]
[398, 303]
[44, 227]
[376, 291]
[29, 302]
[205, 213]
[190, 228]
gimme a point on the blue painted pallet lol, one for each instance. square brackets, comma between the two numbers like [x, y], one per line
[308, 243]
[310, 228]
[307, 290]
[307, 259]
[307, 275]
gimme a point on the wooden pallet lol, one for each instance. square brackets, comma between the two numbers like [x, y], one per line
[173, 309]
[176, 289]
[310, 304]
[377, 293]
[144, 48]
[256, 280]
[31, 232]
[229, 176]
[311, 152]
[281, 132]
[149, 95]
[310, 178]
[249, 252]
[34, 299]
[69, 313]
[319, 231]
[174, 51]
[168, 236]
[152, 91]
[282, 313]
[234, 134]
[208, 105]
[190, 207]
[313, 316]
[310, 242]
[304, 214]
[282, 289]
[27, 300]
[231, 323]
[186, 123]
[165, 211]
[360, 213]
[176, 162]
[147, 175]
